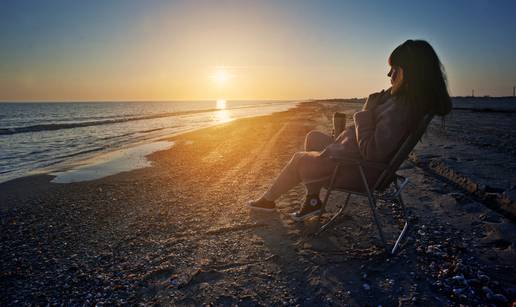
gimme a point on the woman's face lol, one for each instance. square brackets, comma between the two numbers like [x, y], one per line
[396, 74]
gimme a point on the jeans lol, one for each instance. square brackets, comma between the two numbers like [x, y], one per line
[306, 166]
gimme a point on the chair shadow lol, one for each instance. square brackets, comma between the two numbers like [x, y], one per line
[297, 250]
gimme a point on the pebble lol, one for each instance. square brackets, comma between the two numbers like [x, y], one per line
[487, 292]
[475, 283]
[499, 298]
[484, 279]
[490, 217]
[458, 291]
[511, 292]
[434, 250]
[459, 280]
[457, 195]
[366, 287]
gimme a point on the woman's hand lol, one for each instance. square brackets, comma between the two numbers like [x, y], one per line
[376, 99]
[332, 150]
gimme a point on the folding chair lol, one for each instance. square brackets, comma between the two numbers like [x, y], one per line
[387, 178]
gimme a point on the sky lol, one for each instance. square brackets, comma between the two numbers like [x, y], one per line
[202, 50]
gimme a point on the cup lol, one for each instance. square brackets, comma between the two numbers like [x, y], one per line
[339, 123]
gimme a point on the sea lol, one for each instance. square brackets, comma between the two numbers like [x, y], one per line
[45, 136]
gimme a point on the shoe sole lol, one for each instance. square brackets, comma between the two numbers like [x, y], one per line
[304, 217]
[260, 209]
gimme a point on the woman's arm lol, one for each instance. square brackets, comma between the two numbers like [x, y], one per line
[379, 135]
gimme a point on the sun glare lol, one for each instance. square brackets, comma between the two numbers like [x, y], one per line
[221, 104]
[221, 76]
[222, 115]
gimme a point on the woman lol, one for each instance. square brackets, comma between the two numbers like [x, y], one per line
[418, 88]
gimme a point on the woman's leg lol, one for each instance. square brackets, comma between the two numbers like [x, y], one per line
[286, 180]
[315, 172]
[289, 176]
[306, 167]
[314, 188]
[317, 141]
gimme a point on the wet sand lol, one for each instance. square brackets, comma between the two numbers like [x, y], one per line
[178, 233]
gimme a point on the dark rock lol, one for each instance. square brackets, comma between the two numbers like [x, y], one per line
[499, 299]
[459, 280]
[463, 298]
[457, 195]
[487, 292]
[511, 293]
[435, 250]
[475, 283]
[491, 217]
[484, 279]
[458, 291]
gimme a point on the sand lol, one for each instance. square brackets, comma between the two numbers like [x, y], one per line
[178, 233]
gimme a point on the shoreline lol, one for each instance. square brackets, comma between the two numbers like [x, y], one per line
[80, 160]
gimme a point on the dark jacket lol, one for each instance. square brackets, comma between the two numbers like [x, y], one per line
[375, 136]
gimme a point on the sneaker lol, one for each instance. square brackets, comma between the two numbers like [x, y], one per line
[262, 205]
[311, 207]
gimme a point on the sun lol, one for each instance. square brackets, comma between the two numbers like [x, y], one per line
[221, 76]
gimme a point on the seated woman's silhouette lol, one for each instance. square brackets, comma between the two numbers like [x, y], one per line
[418, 88]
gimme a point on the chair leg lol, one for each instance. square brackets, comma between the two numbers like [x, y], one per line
[330, 187]
[405, 217]
[400, 237]
[402, 204]
[372, 205]
[334, 217]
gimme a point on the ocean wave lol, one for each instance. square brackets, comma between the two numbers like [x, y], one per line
[59, 126]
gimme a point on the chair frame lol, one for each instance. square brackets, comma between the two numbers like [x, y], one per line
[387, 178]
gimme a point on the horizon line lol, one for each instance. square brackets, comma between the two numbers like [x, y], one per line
[203, 100]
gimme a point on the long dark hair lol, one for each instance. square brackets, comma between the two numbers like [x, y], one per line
[424, 88]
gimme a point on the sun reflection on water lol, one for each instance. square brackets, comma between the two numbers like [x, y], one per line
[221, 104]
[222, 115]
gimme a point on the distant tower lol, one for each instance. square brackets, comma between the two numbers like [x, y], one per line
[514, 91]
[472, 93]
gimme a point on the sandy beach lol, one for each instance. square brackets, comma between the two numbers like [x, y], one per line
[179, 233]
